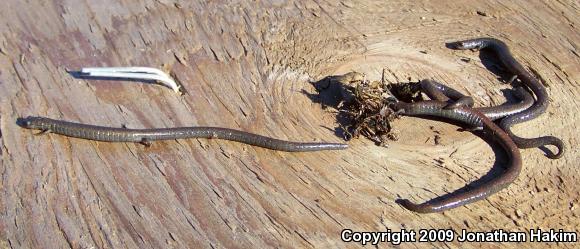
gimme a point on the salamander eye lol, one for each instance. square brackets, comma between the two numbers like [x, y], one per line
[24, 122]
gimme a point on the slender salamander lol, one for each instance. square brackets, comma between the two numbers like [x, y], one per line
[109, 134]
[515, 68]
[440, 92]
[474, 118]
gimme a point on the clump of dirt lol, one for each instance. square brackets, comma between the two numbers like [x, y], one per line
[366, 104]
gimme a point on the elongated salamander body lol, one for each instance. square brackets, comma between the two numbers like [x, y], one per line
[440, 92]
[514, 67]
[109, 134]
[472, 118]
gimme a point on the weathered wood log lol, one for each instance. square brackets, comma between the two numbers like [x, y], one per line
[247, 65]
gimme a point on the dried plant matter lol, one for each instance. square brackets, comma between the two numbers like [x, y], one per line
[365, 104]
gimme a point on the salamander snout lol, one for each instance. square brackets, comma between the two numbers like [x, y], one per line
[28, 122]
[462, 45]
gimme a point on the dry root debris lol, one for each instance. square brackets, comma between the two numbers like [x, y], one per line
[366, 104]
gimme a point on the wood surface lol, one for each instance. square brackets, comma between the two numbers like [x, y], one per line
[247, 65]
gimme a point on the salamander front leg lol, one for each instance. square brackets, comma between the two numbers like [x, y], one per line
[440, 92]
[512, 79]
[43, 132]
[145, 142]
[463, 101]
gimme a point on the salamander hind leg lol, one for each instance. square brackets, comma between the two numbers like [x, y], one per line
[470, 129]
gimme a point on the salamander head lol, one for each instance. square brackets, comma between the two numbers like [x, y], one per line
[30, 122]
[475, 44]
[461, 45]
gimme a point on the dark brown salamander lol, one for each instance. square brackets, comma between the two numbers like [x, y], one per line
[515, 68]
[109, 134]
[472, 118]
[440, 92]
